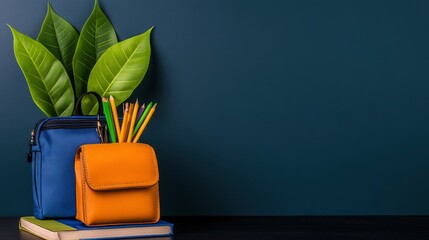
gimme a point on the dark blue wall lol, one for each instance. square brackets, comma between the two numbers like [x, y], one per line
[265, 107]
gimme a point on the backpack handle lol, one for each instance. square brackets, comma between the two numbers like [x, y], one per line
[78, 106]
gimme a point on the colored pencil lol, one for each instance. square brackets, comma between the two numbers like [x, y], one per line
[115, 115]
[143, 116]
[124, 123]
[143, 126]
[133, 121]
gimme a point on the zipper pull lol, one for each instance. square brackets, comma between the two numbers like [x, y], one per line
[32, 137]
[30, 144]
[99, 129]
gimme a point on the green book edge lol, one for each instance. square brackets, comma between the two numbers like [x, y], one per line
[51, 225]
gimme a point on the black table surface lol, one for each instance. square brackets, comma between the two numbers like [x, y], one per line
[293, 227]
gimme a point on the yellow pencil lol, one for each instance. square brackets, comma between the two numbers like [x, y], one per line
[133, 121]
[124, 123]
[143, 126]
[127, 126]
[115, 116]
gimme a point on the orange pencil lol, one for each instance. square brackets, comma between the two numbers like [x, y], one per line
[133, 121]
[124, 123]
[127, 126]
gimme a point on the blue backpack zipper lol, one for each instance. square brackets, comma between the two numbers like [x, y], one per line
[58, 123]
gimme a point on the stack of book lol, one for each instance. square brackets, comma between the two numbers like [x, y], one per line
[73, 229]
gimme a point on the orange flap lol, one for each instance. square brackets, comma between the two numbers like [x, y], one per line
[119, 165]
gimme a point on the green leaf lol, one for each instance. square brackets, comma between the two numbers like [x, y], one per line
[96, 37]
[46, 77]
[120, 70]
[59, 37]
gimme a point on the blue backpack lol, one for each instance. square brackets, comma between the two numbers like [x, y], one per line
[53, 145]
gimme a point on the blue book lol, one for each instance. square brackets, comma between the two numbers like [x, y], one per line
[73, 229]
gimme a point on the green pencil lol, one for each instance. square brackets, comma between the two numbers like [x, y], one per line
[141, 119]
[109, 120]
